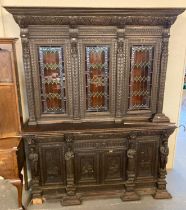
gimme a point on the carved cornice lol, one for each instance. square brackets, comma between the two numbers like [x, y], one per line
[25, 16]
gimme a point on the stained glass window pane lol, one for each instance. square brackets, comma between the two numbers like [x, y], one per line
[97, 78]
[52, 78]
[141, 68]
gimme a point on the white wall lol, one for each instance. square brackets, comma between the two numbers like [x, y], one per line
[177, 48]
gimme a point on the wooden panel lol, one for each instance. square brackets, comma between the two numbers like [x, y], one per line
[114, 163]
[8, 164]
[6, 66]
[87, 167]
[147, 155]
[9, 122]
[52, 164]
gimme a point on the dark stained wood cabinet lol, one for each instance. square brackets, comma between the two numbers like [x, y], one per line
[11, 143]
[95, 82]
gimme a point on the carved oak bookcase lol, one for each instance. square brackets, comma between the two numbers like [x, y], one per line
[95, 85]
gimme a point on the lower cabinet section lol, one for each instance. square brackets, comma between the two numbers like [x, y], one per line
[72, 165]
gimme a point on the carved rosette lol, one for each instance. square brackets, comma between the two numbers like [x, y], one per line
[75, 70]
[27, 67]
[120, 70]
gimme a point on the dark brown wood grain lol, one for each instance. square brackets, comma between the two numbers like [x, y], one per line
[82, 153]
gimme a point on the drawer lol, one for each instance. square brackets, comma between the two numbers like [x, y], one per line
[100, 144]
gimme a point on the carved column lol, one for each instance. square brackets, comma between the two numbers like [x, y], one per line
[70, 198]
[33, 158]
[130, 194]
[120, 71]
[27, 67]
[75, 70]
[159, 116]
[163, 157]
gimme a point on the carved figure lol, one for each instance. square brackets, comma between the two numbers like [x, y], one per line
[33, 157]
[164, 151]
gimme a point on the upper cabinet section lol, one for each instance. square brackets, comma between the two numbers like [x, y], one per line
[95, 64]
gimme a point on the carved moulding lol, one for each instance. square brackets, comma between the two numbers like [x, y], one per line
[93, 16]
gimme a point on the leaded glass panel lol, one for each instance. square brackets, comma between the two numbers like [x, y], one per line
[97, 78]
[141, 68]
[52, 76]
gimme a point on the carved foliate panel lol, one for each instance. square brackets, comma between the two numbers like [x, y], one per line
[86, 167]
[52, 167]
[114, 165]
[147, 153]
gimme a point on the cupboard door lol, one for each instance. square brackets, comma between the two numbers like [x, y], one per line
[141, 70]
[86, 167]
[142, 76]
[113, 166]
[97, 74]
[147, 156]
[52, 76]
[52, 164]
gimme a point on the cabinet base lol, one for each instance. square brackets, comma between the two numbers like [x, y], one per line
[70, 200]
[162, 194]
[130, 196]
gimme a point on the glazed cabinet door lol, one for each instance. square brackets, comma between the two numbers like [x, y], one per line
[143, 53]
[51, 78]
[52, 165]
[97, 83]
[147, 157]
[113, 166]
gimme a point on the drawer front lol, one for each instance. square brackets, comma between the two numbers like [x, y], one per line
[8, 164]
[100, 144]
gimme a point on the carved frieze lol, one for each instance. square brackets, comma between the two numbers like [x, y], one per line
[88, 16]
